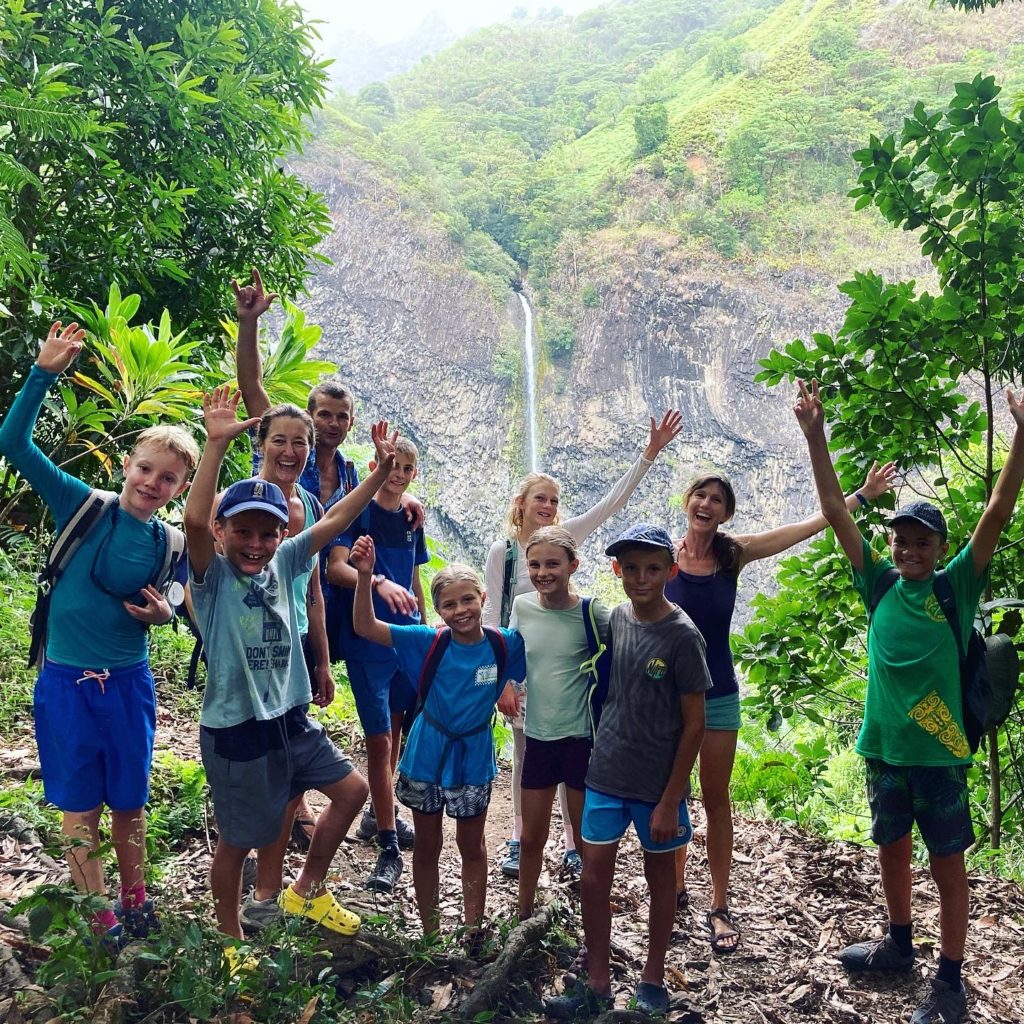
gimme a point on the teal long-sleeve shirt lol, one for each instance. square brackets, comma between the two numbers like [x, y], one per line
[88, 626]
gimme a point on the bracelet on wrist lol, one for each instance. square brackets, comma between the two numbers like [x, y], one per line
[860, 497]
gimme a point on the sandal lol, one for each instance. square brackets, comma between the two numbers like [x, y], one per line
[720, 939]
[300, 837]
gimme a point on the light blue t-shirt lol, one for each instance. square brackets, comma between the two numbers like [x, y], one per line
[87, 626]
[462, 698]
[251, 634]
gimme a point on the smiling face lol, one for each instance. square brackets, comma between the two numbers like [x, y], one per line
[285, 451]
[153, 476]
[915, 549]
[461, 605]
[644, 571]
[249, 539]
[539, 506]
[402, 474]
[550, 569]
[333, 418]
[708, 506]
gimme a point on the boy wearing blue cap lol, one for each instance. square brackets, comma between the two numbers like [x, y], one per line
[259, 748]
[912, 739]
[650, 732]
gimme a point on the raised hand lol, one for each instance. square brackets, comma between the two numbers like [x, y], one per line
[156, 610]
[251, 301]
[879, 481]
[220, 411]
[809, 412]
[61, 347]
[363, 556]
[385, 445]
[664, 432]
[1016, 407]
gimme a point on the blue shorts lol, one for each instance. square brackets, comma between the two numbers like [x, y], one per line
[381, 690]
[606, 818]
[95, 729]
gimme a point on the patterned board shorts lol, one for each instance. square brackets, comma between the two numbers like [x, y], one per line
[456, 801]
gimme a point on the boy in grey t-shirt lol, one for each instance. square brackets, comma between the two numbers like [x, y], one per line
[650, 732]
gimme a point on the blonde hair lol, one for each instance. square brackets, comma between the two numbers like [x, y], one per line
[514, 519]
[406, 447]
[558, 536]
[454, 573]
[176, 440]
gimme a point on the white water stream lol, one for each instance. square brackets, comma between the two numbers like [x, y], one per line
[530, 383]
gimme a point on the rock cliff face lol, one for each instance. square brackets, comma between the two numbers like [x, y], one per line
[416, 337]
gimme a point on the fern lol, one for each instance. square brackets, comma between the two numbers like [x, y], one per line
[42, 117]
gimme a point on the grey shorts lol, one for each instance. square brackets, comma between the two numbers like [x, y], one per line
[457, 801]
[250, 796]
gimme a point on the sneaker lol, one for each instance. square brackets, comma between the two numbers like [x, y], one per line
[581, 1003]
[256, 915]
[386, 873]
[572, 862]
[139, 922]
[945, 1005]
[367, 825]
[406, 833]
[323, 909]
[651, 999]
[876, 955]
[510, 865]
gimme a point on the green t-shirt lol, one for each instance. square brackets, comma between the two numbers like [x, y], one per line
[556, 646]
[913, 709]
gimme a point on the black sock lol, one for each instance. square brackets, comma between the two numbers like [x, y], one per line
[949, 971]
[388, 840]
[903, 936]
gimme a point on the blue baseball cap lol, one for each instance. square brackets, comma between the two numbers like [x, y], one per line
[925, 513]
[645, 534]
[253, 495]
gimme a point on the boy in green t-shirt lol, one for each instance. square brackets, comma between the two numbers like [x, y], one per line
[912, 738]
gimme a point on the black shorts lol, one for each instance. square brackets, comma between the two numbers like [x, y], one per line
[546, 763]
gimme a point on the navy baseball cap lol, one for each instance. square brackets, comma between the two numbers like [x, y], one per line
[253, 495]
[645, 534]
[925, 513]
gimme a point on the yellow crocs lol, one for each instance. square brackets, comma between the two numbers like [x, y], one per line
[239, 964]
[324, 910]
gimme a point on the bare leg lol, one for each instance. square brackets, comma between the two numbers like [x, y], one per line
[681, 869]
[425, 880]
[536, 805]
[226, 886]
[563, 806]
[270, 859]
[574, 808]
[660, 871]
[128, 834]
[346, 798]
[518, 753]
[894, 862]
[717, 755]
[379, 775]
[595, 891]
[469, 835]
[954, 904]
[82, 828]
[396, 740]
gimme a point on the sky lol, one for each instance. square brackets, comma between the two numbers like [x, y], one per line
[389, 20]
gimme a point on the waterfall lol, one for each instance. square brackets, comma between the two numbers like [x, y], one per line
[530, 384]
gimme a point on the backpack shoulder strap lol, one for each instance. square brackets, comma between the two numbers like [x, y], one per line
[500, 648]
[508, 582]
[174, 548]
[885, 582]
[76, 529]
[943, 591]
[441, 641]
[590, 626]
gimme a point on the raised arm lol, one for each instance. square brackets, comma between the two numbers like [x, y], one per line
[582, 526]
[364, 619]
[251, 302]
[811, 416]
[762, 545]
[342, 574]
[1004, 495]
[340, 516]
[220, 411]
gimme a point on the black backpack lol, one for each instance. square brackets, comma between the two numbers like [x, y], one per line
[989, 667]
[92, 509]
